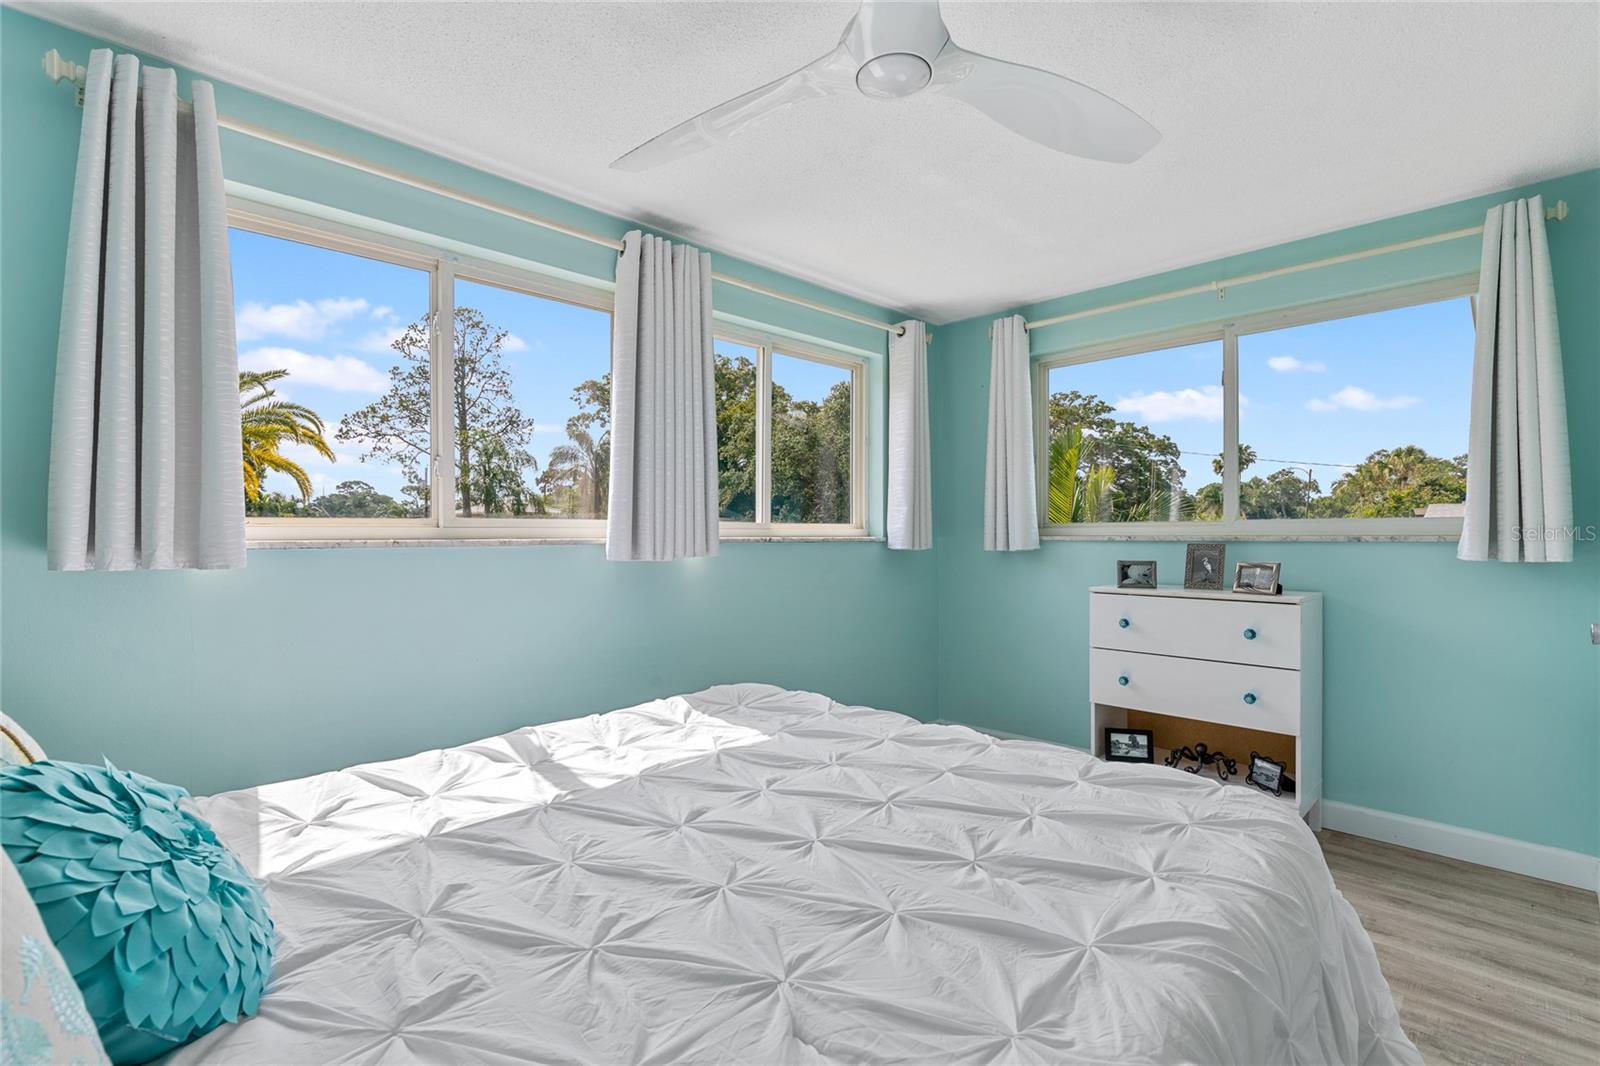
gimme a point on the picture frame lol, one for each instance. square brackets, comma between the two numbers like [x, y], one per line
[1257, 579]
[1129, 745]
[1202, 566]
[1136, 573]
[1268, 775]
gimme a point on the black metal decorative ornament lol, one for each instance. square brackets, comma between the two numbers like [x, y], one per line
[1202, 757]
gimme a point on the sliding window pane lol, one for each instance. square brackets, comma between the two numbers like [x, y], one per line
[736, 431]
[531, 405]
[333, 383]
[1136, 438]
[812, 405]
[1359, 417]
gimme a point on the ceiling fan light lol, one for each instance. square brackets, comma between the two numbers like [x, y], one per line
[894, 75]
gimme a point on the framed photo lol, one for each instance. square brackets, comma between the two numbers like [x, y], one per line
[1136, 573]
[1202, 566]
[1258, 579]
[1129, 745]
[1268, 775]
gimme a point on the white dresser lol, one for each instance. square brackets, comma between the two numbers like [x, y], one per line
[1233, 659]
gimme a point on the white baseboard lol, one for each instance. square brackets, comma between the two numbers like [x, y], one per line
[1469, 845]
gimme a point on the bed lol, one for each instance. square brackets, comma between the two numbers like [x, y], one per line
[753, 875]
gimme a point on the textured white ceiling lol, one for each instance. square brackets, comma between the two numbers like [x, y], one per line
[1280, 121]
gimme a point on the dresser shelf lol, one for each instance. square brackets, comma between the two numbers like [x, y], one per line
[1220, 658]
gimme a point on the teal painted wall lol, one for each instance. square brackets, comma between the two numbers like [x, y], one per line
[1466, 694]
[1461, 693]
[308, 660]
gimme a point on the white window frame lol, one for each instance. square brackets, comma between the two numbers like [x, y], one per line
[764, 527]
[1228, 331]
[444, 525]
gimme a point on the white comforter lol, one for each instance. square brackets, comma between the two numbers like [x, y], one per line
[748, 875]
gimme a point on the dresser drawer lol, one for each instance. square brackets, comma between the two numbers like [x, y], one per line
[1254, 697]
[1260, 632]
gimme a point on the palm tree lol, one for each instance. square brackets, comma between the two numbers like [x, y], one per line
[1247, 456]
[265, 422]
[1075, 497]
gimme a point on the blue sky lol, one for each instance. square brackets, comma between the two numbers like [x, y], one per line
[1327, 393]
[329, 318]
[326, 317]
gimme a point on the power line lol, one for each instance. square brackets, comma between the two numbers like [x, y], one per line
[1285, 462]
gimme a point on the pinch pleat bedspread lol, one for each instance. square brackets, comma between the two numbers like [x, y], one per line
[751, 875]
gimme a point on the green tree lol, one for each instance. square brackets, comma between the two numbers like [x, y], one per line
[1398, 482]
[265, 424]
[811, 456]
[395, 427]
[357, 499]
[735, 381]
[276, 505]
[577, 479]
[1206, 503]
[1078, 490]
[1284, 493]
[1147, 476]
[1247, 458]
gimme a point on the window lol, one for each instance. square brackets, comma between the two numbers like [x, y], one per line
[737, 402]
[1358, 417]
[347, 430]
[812, 421]
[531, 408]
[1345, 418]
[791, 439]
[327, 336]
[1136, 438]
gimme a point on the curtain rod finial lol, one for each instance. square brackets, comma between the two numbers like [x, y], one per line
[1558, 212]
[56, 68]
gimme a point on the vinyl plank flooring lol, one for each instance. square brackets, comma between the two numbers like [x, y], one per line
[1486, 967]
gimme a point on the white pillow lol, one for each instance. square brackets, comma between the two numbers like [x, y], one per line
[42, 1015]
[17, 748]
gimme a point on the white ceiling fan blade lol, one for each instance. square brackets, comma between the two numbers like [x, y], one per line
[1056, 112]
[833, 73]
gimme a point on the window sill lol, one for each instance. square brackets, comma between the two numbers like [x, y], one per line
[1274, 538]
[520, 542]
[1383, 531]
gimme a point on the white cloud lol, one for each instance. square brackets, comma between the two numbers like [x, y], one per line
[312, 460]
[513, 343]
[302, 320]
[1204, 403]
[381, 311]
[381, 341]
[1353, 398]
[345, 373]
[1288, 364]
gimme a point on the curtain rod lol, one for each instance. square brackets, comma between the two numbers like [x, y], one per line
[58, 69]
[1554, 214]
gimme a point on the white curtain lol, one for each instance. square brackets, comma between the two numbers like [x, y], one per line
[663, 404]
[145, 467]
[1010, 495]
[1519, 471]
[910, 517]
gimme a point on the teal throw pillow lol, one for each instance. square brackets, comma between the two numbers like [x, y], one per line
[161, 927]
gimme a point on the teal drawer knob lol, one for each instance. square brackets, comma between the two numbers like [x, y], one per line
[1123, 680]
[1123, 623]
[1250, 697]
[1249, 634]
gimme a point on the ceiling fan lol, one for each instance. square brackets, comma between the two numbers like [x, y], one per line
[894, 49]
